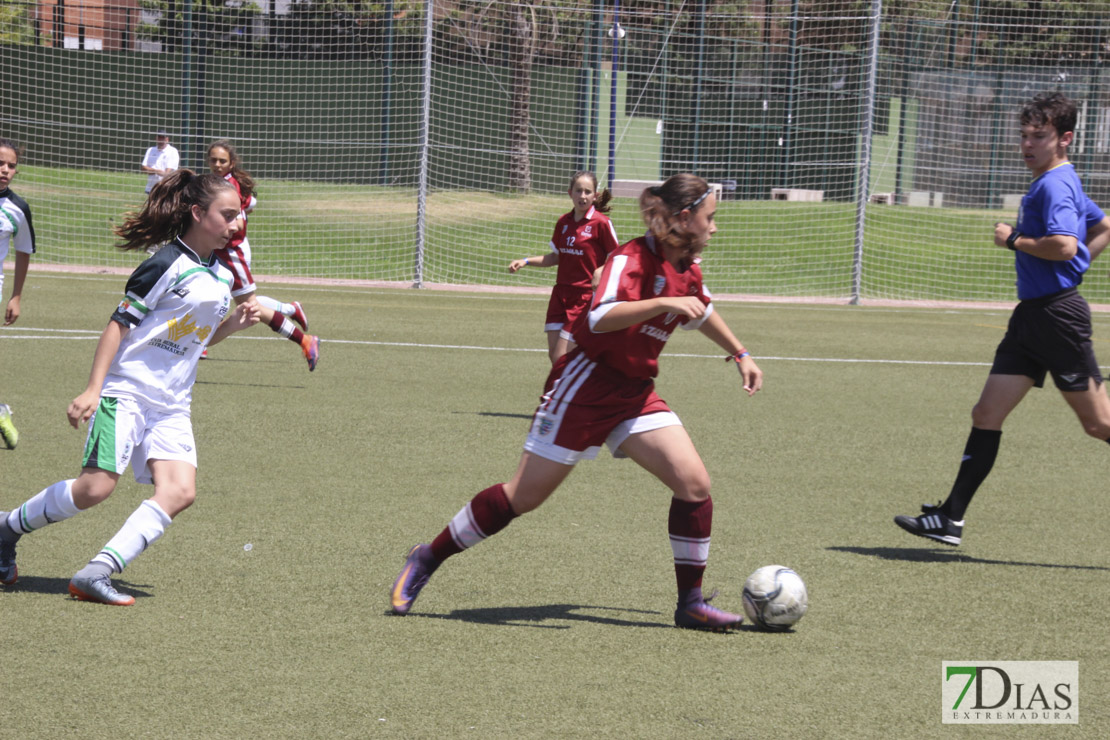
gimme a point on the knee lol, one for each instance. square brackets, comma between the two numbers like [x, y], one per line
[1097, 428]
[694, 487]
[175, 498]
[88, 492]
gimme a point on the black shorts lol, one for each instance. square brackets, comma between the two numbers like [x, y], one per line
[1050, 334]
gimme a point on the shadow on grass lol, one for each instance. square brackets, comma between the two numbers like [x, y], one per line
[43, 585]
[533, 616]
[919, 555]
[499, 414]
[251, 385]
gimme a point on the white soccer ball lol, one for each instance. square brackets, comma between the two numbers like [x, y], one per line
[775, 598]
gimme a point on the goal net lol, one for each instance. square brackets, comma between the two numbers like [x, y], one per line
[860, 149]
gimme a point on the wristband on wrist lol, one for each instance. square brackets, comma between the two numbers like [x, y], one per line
[739, 355]
[526, 261]
[1011, 239]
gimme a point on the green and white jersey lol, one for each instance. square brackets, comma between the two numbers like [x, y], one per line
[16, 231]
[174, 301]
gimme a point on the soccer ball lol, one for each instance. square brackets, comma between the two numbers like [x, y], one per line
[775, 598]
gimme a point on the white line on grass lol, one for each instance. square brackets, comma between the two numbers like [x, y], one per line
[88, 334]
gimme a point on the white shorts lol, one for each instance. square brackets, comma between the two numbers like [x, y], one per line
[122, 432]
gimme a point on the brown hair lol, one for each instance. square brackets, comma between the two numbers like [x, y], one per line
[1055, 108]
[601, 203]
[9, 144]
[246, 182]
[661, 204]
[168, 210]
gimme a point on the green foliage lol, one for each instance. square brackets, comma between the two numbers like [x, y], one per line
[16, 23]
[1002, 32]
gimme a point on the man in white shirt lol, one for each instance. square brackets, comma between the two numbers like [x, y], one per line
[160, 160]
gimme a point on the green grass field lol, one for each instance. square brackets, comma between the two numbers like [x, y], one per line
[560, 626]
[764, 248]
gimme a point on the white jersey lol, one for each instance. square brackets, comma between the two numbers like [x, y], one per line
[174, 301]
[16, 231]
[160, 159]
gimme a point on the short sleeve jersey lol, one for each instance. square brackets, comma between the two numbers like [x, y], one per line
[160, 159]
[1055, 204]
[245, 206]
[16, 231]
[637, 271]
[582, 246]
[173, 303]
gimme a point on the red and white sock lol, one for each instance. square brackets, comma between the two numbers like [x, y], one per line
[484, 516]
[286, 328]
[689, 524]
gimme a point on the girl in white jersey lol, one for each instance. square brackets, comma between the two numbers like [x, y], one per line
[137, 401]
[603, 392]
[16, 233]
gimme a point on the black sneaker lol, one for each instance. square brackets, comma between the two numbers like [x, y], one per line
[932, 524]
[9, 574]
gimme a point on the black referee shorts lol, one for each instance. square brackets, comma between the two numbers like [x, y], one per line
[1050, 335]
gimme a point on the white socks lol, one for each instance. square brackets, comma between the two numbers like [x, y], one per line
[51, 504]
[286, 309]
[142, 529]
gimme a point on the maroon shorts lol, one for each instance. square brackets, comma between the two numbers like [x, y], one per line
[586, 404]
[567, 302]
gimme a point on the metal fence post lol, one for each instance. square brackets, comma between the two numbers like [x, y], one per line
[864, 183]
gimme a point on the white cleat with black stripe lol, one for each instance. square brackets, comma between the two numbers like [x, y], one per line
[932, 524]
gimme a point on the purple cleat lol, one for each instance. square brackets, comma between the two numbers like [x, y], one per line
[310, 346]
[419, 566]
[700, 615]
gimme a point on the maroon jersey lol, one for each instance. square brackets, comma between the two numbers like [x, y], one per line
[637, 271]
[582, 246]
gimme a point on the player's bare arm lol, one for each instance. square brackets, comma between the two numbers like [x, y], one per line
[627, 314]
[548, 260]
[11, 313]
[1098, 236]
[717, 330]
[85, 404]
[244, 316]
[1055, 247]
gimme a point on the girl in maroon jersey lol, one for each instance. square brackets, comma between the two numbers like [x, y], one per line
[582, 240]
[223, 160]
[603, 392]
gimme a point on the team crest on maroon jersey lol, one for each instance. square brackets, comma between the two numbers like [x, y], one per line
[660, 283]
[587, 230]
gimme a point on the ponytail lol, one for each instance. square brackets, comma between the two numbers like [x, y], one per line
[167, 212]
[601, 204]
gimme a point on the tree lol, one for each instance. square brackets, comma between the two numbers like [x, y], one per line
[16, 24]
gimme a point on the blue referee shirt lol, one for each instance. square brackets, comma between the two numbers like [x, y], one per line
[1055, 204]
